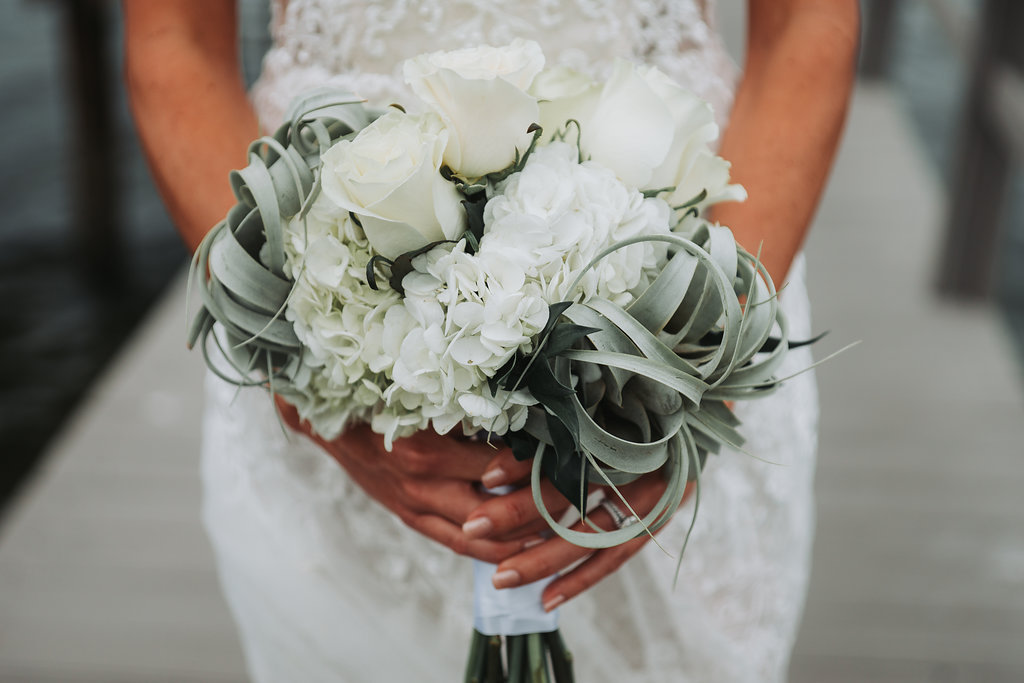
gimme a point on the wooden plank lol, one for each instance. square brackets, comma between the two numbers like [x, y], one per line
[919, 558]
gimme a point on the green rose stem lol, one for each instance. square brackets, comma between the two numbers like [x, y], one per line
[495, 669]
[531, 658]
[561, 658]
[516, 658]
[476, 657]
[538, 660]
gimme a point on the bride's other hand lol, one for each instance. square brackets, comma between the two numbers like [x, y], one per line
[515, 511]
[428, 481]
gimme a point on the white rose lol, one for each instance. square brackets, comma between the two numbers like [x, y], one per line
[690, 165]
[650, 131]
[389, 176]
[563, 94]
[625, 125]
[560, 82]
[481, 93]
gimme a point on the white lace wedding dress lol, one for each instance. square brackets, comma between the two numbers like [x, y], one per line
[327, 586]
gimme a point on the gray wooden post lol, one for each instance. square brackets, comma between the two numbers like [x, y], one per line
[981, 171]
[876, 43]
[96, 235]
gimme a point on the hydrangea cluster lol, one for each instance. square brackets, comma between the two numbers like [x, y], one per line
[554, 217]
[406, 362]
[338, 317]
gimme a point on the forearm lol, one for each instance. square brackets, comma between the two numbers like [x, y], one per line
[190, 105]
[786, 122]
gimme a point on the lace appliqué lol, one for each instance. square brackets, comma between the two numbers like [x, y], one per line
[360, 45]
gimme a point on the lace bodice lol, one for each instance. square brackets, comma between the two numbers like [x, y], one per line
[360, 44]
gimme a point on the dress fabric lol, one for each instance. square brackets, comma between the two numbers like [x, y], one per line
[326, 585]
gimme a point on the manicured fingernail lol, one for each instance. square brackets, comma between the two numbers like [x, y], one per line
[493, 478]
[529, 543]
[478, 527]
[553, 602]
[506, 578]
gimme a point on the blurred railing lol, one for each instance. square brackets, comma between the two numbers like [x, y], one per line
[990, 139]
[88, 55]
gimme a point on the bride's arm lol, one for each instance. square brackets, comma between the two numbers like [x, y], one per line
[782, 136]
[786, 121]
[195, 122]
[189, 104]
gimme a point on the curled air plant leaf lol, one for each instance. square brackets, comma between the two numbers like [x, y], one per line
[623, 392]
[239, 266]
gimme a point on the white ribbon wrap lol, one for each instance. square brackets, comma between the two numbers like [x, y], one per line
[509, 611]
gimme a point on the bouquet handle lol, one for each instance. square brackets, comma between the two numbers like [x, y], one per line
[509, 611]
[511, 629]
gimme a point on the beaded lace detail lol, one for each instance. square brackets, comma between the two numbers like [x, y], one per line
[360, 45]
[326, 585]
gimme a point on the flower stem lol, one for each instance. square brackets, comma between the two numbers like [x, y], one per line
[561, 658]
[516, 646]
[495, 671]
[530, 658]
[477, 650]
[538, 661]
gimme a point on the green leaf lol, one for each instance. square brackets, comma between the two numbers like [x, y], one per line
[563, 469]
[564, 337]
[523, 444]
[402, 265]
[555, 394]
[689, 386]
[475, 217]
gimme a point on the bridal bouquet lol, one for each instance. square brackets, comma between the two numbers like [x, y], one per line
[527, 257]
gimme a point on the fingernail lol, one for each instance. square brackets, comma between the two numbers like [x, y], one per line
[478, 527]
[553, 602]
[506, 579]
[533, 542]
[493, 478]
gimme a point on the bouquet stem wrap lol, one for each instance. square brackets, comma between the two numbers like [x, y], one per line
[513, 620]
[509, 611]
[514, 639]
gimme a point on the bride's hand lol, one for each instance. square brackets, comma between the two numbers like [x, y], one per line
[428, 481]
[515, 513]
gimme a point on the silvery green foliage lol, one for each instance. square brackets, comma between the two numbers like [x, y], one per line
[240, 267]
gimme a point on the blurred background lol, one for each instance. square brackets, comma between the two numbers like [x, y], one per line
[918, 250]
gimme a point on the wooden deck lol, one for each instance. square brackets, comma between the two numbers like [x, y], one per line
[919, 558]
[105, 575]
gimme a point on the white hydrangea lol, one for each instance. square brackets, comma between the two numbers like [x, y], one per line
[338, 318]
[465, 319]
[554, 217]
[425, 357]
[405, 362]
